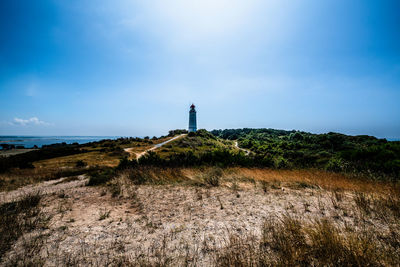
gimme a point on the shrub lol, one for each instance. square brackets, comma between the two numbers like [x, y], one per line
[176, 132]
[101, 177]
[19, 217]
[25, 165]
[291, 242]
[125, 163]
[363, 202]
[25, 160]
[212, 176]
[140, 176]
[281, 163]
[377, 158]
[153, 175]
[336, 165]
[80, 164]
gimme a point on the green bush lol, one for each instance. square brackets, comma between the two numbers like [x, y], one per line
[336, 165]
[125, 163]
[281, 163]
[368, 155]
[80, 164]
[212, 177]
[101, 177]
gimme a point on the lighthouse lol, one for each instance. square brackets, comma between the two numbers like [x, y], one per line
[192, 119]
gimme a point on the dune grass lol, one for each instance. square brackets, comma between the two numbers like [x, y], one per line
[292, 242]
[19, 217]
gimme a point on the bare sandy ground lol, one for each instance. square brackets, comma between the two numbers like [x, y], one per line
[170, 223]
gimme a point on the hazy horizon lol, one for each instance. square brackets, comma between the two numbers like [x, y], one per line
[132, 68]
[166, 133]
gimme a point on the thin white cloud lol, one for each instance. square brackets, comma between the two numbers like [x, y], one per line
[31, 121]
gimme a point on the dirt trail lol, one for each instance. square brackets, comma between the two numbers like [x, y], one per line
[141, 154]
[244, 150]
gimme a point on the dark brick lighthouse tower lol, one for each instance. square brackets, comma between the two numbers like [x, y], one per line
[192, 119]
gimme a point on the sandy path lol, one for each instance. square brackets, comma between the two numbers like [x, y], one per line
[244, 150]
[141, 154]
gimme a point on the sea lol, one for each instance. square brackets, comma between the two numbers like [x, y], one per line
[30, 141]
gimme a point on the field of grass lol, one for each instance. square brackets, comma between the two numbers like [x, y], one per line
[94, 158]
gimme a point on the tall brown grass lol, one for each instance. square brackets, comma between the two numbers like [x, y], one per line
[19, 217]
[154, 175]
[291, 242]
[323, 179]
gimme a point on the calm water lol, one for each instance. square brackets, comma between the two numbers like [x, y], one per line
[30, 141]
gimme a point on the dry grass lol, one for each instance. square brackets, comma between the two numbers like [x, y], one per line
[292, 242]
[17, 178]
[380, 206]
[154, 175]
[267, 178]
[94, 158]
[212, 176]
[151, 216]
[17, 218]
[322, 179]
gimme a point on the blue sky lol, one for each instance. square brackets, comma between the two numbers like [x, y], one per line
[132, 68]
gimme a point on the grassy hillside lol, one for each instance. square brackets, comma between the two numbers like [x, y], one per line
[63, 160]
[331, 151]
[197, 143]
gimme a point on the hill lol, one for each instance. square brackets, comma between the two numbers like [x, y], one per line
[332, 151]
[199, 200]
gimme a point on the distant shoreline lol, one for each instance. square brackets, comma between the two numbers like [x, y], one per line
[29, 142]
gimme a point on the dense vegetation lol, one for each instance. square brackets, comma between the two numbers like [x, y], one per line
[332, 151]
[177, 131]
[270, 148]
[195, 143]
